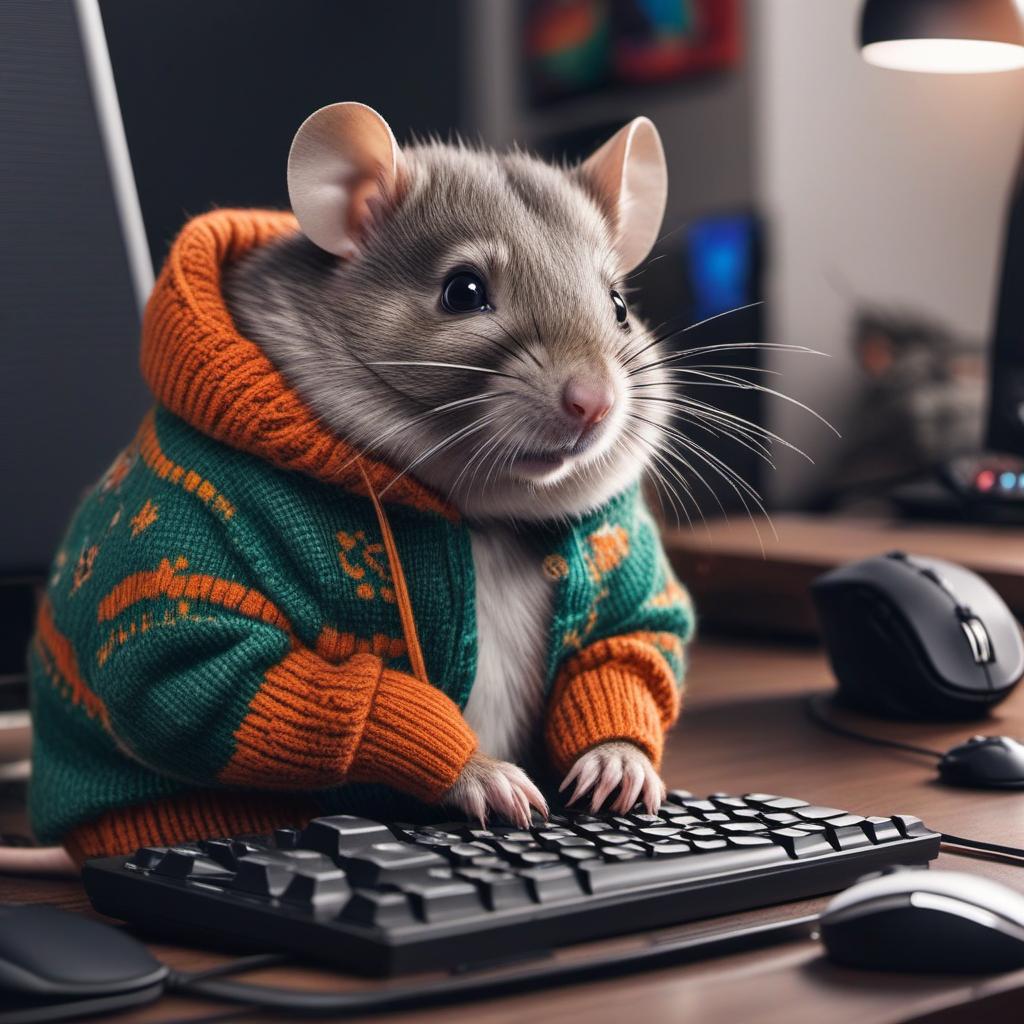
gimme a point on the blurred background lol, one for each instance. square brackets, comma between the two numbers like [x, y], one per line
[865, 207]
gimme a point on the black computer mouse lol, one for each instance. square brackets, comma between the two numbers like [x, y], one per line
[992, 762]
[48, 953]
[932, 921]
[917, 638]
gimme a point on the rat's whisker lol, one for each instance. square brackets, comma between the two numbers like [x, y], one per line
[516, 340]
[712, 412]
[470, 428]
[663, 486]
[731, 346]
[444, 366]
[712, 380]
[419, 418]
[744, 438]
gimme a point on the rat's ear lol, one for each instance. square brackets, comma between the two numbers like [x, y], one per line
[343, 164]
[630, 181]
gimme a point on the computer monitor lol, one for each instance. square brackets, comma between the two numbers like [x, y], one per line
[1005, 432]
[74, 273]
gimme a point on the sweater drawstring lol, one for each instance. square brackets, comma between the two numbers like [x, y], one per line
[412, 640]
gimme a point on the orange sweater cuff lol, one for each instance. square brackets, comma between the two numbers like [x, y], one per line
[617, 689]
[415, 738]
[314, 724]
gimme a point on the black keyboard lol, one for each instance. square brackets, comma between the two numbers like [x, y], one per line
[386, 898]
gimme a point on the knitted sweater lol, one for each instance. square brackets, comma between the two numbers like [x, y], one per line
[220, 649]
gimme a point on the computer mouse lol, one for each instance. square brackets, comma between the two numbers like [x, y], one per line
[47, 952]
[917, 638]
[932, 921]
[992, 762]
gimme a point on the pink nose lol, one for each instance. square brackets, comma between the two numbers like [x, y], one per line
[587, 401]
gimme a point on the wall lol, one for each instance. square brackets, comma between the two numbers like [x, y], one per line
[879, 185]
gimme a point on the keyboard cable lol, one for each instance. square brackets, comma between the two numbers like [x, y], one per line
[668, 951]
[813, 706]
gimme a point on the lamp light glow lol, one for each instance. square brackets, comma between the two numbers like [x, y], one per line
[943, 36]
[944, 56]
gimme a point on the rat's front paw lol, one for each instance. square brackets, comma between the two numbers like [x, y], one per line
[617, 764]
[487, 785]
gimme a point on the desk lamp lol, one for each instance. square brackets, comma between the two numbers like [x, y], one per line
[969, 37]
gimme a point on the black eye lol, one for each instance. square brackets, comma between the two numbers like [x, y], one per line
[620, 307]
[464, 292]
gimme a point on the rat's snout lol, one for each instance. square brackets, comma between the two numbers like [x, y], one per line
[587, 402]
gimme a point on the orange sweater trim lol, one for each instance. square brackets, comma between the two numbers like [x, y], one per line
[199, 366]
[622, 688]
[198, 815]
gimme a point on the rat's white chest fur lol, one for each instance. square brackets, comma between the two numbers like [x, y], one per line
[513, 619]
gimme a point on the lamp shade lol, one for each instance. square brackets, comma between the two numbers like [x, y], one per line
[950, 36]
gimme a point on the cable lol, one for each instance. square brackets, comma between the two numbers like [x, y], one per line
[1004, 852]
[812, 707]
[665, 952]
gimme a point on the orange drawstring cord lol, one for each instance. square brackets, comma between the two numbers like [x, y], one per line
[412, 640]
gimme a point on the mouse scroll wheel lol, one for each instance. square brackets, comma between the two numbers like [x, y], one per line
[978, 638]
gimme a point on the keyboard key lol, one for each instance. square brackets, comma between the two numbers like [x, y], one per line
[677, 796]
[645, 819]
[442, 899]
[589, 828]
[698, 805]
[727, 803]
[387, 909]
[226, 852]
[798, 843]
[607, 839]
[149, 856]
[682, 820]
[742, 841]
[549, 882]
[318, 886]
[742, 827]
[501, 890]
[658, 832]
[575, 854]
[881, 830]
[709, 844]
[782, 803]
[698, 832]
[713, 816]
[600, 876]
[758, 799]
[186, 861]
[466, 854]
[529, 858]
[910, 826]
[268, 872]
[287, 838]
[390, 862]
[342, 833]
[779, 819]
[815, 813]
[668, 849]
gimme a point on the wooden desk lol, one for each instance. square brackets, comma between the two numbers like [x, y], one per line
[741, 586]
[743, 730]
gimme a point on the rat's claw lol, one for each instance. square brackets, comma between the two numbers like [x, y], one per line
[632, 783]
[589, 772]
[487, 784]
[616, 764]
[611, 775]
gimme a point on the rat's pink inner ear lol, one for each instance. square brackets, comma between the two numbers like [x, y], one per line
[342, 168]
[629, 177]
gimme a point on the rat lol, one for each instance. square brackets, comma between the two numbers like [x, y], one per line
[444, 277]
[456, 317]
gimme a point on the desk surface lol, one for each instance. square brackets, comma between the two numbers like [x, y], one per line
[743, 730]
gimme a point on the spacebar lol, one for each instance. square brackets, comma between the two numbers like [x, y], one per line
[631, 874]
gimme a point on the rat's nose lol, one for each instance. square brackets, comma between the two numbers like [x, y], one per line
[587, 401]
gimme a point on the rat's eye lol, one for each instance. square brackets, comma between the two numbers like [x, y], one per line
[464, 292]
[621, 312]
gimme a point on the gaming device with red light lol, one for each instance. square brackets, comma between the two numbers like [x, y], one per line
[965, 37]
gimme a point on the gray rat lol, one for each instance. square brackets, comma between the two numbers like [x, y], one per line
[460, 314]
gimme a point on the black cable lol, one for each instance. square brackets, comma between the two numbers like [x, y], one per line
[983, 847]
[665, 952]
[242, 964]
[812, 707]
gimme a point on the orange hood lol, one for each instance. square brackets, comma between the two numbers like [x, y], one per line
[200, 368]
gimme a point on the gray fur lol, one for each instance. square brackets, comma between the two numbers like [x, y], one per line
[544, 248]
